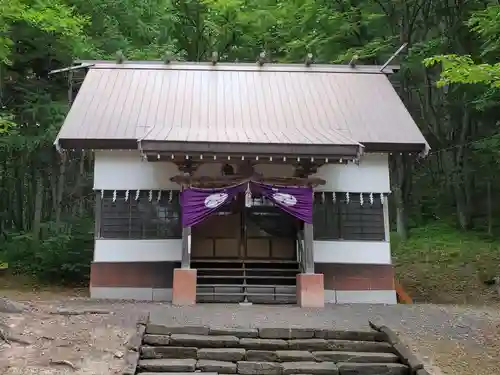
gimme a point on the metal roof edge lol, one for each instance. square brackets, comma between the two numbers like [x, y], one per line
[241, 67]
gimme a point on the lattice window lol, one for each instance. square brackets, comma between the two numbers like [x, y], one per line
[143, 218]
[349, 220]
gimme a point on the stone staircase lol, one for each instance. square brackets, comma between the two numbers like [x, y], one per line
[256, 281]
[264, 351]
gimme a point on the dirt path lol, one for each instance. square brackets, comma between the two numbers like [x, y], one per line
[459, 340]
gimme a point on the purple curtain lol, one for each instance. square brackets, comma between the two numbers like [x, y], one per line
[297, 201]
[197, 204]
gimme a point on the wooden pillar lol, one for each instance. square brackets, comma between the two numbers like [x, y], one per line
[186, 248]
[385, 210]
[308, 248]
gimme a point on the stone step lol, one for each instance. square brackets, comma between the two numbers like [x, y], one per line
[313, 368]
[172, 352]
[201, 341]
[221, 367]
[222, 354]
[167, 365]
[294, 356]
[263, 344]
[360, 346]
[176, 373]
[372, 369]
[259, 368]
[356, 357]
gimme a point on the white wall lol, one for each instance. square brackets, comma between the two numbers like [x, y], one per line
[111, 250]
[125, 170]
[352, 252]
[370, 176]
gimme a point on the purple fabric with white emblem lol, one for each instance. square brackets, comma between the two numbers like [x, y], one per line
[297, 201]
[197, 204]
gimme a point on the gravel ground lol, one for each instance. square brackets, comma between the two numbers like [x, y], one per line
[460, 340]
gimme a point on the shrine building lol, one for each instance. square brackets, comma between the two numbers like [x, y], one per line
[244, 183]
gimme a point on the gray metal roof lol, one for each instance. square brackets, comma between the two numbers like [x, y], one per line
[237, 104]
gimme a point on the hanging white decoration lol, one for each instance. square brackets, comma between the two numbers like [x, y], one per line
[361, 200]
[159, 196]
[248, 197]
[114, 195]
[323, 196]
[137, 194]
[150, 195]
[102, 194]
[126, 195]
[334, 197]
[170, 194]
[347, 198]
[382, 198]
[371, 198]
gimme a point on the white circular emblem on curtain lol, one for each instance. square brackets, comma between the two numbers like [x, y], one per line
[285, 199]
[215, 200]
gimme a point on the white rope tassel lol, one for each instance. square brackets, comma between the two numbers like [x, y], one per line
[334, 197]
[248, 197]
[361, 200]
[323, 197]
[150, 195]
[371, 198]
[347, 198]
[158, 198]
[102, 194]
[170, 196]
[114, 195]
[126, 195]
[137, 194]
[382, 198]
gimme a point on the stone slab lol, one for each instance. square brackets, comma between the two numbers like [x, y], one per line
[314, 368]
[172, 352]
[263, 344]
[135, 341]
[258, 368]
[238, 332]
[372, 369]
[201, 341]
[371, 335]
[156, 339]
[159, 329]
[294, 355]
[286, 333]
[408, 357]
[261, 355]
[360, 346]
[131, 360]
[176, 373]
[356, 357]
[167, 365]
[222, 354]
[309, 344]
[216, 366]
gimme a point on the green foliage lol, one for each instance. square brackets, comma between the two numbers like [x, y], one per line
[61, 258]
[448, 44]
[442, 265]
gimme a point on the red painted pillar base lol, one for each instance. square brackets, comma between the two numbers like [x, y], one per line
[184, 287]
[310, 290]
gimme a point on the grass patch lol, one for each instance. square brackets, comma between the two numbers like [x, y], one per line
[439, 264]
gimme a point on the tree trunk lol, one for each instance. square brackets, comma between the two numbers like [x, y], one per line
[60, 188]
[37, 216]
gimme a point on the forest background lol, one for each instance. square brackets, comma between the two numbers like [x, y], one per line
[445, 215]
